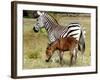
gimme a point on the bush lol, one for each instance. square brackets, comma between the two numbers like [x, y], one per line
[34, 55]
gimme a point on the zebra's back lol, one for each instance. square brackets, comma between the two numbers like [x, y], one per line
[73, 30]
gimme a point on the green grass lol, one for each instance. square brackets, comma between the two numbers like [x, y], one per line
[35, 44]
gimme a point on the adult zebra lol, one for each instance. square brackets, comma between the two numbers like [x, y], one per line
[55, 30]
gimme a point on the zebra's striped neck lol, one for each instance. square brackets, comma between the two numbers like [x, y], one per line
[50, 22]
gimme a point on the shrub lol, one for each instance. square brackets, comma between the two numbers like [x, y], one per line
[34, 55]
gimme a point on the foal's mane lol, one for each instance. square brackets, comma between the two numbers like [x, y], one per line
[53, 43]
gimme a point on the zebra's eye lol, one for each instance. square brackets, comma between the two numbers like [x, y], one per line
[37, 23]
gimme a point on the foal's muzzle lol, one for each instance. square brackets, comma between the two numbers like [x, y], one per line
[35, 29]
[47, 60]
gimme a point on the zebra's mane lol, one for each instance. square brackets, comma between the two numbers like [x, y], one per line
[51, 18]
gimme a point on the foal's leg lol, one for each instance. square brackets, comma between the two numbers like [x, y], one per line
[61, 57]
[71, 59]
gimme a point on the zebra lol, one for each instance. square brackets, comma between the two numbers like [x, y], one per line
[55, 30]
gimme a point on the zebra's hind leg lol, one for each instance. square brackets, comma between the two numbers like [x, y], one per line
[76, 52]
[73, 54]
[83, 60]
[83, 53]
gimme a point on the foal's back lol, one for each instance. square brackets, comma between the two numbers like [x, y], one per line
[67, 43]
[63, 44]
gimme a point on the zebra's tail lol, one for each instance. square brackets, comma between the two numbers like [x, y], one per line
[83, 39]
[84, 32]
[82, 43]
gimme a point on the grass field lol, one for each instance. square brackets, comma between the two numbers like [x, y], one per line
[35, 44]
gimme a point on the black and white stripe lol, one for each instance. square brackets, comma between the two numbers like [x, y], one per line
[73, 30]
[55, 30]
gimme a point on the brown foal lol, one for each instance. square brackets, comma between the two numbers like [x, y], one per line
[63, 44]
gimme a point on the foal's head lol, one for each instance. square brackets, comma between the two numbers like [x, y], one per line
[50, 50]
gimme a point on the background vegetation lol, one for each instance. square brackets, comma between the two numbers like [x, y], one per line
[35, 43]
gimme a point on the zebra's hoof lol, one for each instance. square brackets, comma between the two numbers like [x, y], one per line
[35, 30]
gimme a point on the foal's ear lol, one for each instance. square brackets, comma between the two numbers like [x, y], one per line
[61, 37]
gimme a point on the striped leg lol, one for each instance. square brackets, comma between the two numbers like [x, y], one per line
[73, 56]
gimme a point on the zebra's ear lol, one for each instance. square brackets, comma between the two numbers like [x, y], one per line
[40, 13]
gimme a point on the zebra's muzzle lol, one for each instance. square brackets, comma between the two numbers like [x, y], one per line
[35, 30]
